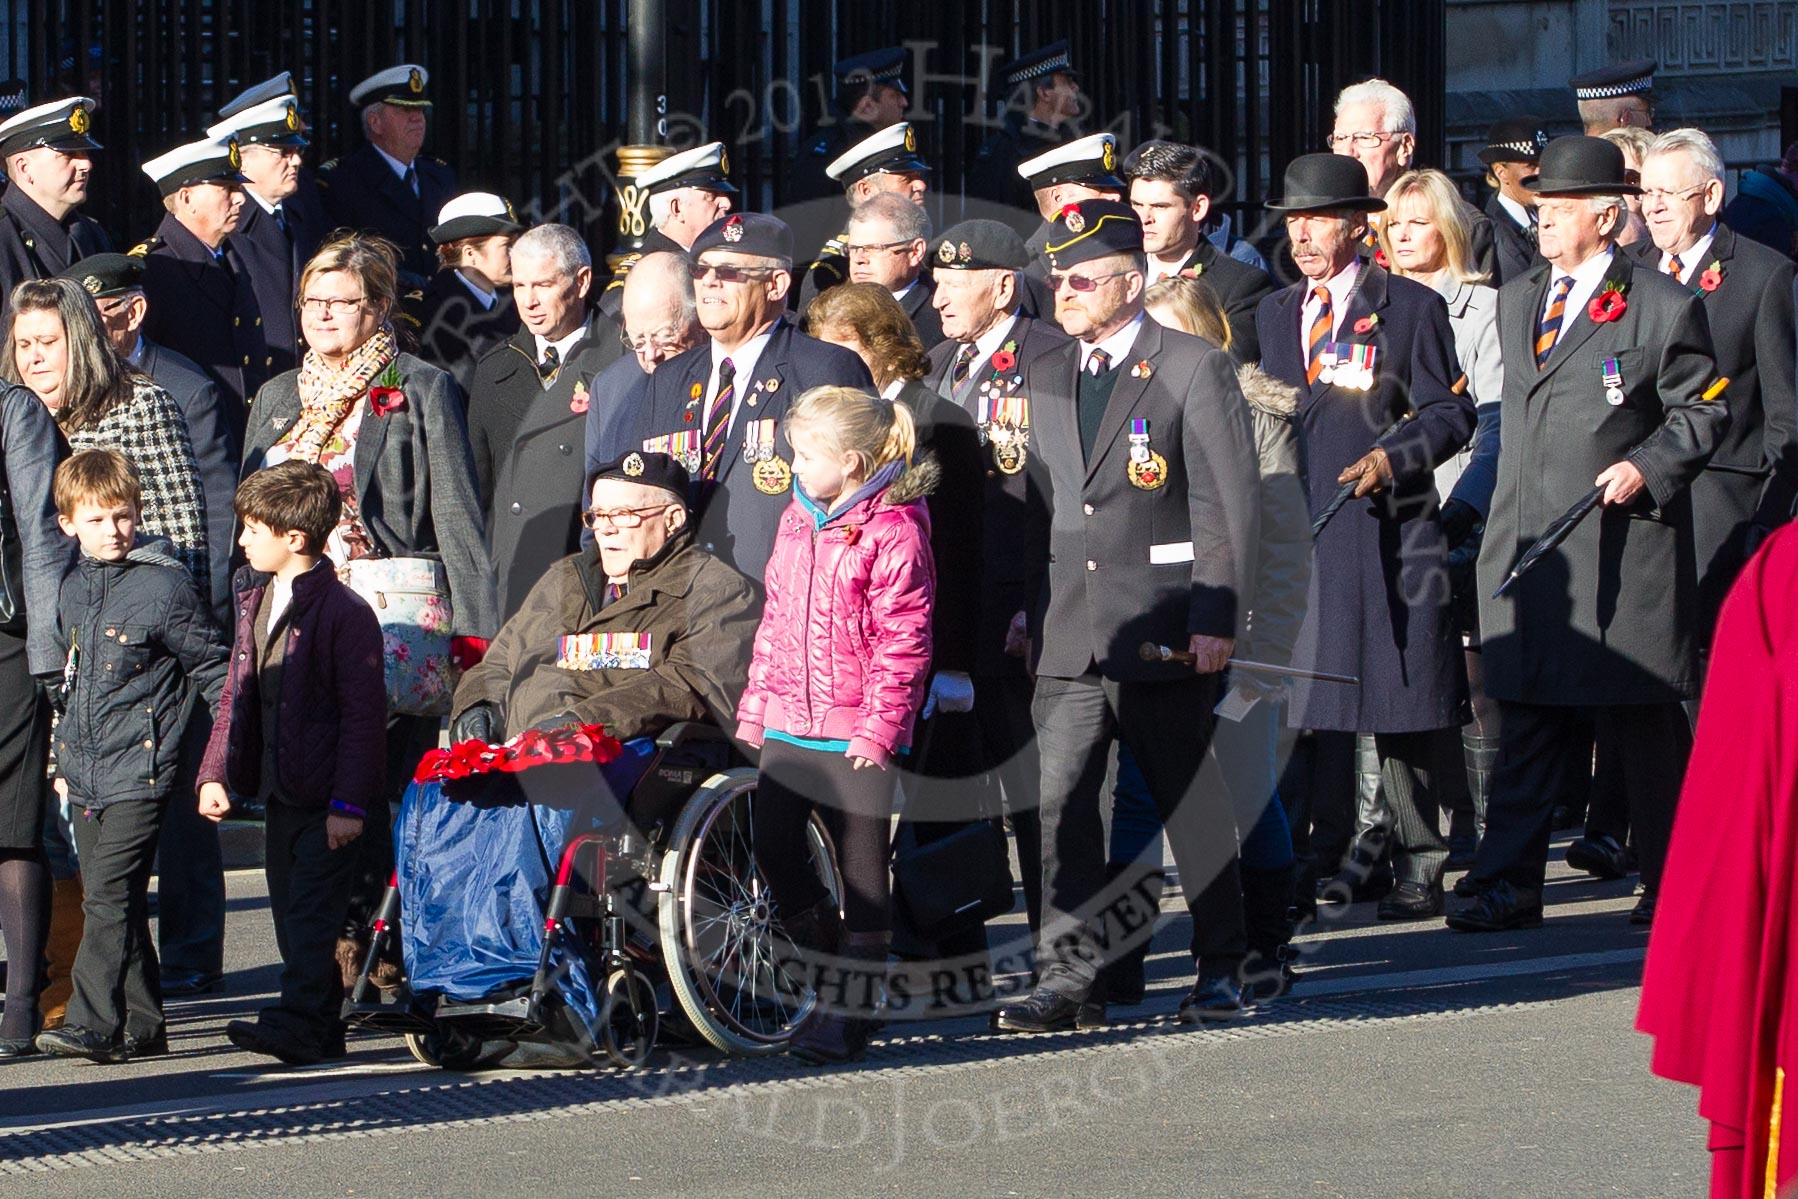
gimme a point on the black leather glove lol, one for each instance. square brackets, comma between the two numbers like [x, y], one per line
[478, 723]
[1458, 520]
[52, 686]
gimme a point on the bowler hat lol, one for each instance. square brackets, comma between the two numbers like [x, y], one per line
[1315, 181]
[1582, 166]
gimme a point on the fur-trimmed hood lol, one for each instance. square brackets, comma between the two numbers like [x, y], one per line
[919, 480]
[1266, 393]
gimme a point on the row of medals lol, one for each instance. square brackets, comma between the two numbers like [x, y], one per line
[1010, 440]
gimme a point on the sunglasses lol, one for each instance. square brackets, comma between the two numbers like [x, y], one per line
[731, 274]
[1081, 282]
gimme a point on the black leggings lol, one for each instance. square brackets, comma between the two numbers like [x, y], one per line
[855, 805]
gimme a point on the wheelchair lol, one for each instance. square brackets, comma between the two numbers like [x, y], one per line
[664, 915]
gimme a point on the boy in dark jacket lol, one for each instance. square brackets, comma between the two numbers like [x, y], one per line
[302, 726]
[136, 638]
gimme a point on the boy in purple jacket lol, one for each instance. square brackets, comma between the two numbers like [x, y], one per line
[301, 726]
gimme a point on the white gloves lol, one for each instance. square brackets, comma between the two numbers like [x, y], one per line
[951, 691]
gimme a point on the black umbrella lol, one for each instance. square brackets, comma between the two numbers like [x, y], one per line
[1555, 535]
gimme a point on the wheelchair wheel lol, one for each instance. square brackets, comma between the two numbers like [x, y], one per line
[446, 1048]
[720, 941]
[628, 1018]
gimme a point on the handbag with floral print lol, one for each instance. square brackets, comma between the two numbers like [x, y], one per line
[410, 597]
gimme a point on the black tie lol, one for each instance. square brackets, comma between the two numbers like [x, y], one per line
[280, 218]
[1529, 229]
[552, 362]
[412, 179]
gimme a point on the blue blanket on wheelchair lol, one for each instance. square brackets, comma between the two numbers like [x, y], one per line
[475, 876]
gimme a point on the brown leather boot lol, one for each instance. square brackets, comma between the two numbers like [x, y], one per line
[66, 926]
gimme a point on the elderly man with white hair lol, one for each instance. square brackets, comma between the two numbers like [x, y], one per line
[1376, 125]
[660, 312]
[1748, 487]
[1611, 385]
[528, 407]
[686, 192]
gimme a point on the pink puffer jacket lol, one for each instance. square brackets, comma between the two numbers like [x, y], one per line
[844, 645]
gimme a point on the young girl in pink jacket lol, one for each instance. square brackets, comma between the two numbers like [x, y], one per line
[835, 682]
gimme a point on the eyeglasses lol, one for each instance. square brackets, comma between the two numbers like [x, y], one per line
[665, 338]
[1081, 282]
[1657, 196]
[620, 518]
[336, 307]
[863, 253]
[731, 274]
[1365, 140]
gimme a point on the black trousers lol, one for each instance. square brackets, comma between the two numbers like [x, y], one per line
[855, 805]
[117, 982]
[308, 893]
[1540, 746]
[1411, 772]
[1167, 727]
[190, 870]
[1002, 708]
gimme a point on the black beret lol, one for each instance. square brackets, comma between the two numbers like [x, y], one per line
[1092, 229]
[747, 233]
[980, 245]
[107, 274]
[649, 469]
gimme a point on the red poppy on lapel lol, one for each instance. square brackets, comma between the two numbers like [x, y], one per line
[1607, 305]
[1712, 278]
[1379, 260]
[387, 394]
[1004, 360]
[1366, 324]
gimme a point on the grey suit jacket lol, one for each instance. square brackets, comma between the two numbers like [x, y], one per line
[1129, 564]
[415, 483]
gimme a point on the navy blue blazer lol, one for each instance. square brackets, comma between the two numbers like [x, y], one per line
[273, 258]
[33, 245]
[736, 522]
[205, 308]
[361, 191]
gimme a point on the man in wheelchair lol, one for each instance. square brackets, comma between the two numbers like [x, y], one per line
[639, 633]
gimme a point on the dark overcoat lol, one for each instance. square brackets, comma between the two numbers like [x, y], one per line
[204, 308]
[273, 258]
[733, 519]
[1611, 616]
[1749, 485]
[1240, 286]
[454, 331]
[529, 458]
[362, 191]
[34, 245]
[1014, 508]
[1129, 564]
[1513, 251]
[1377, 607]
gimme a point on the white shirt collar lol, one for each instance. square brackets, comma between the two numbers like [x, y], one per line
[1518, 212]
[905, 291]
[1341, 286]
[1116, 347]
[1586, 278]
[988, 343]
[562, 346]
[891, 390]
[266, 205]
[487, 299]
[1693, 260]
[399, 168]
[743, 362]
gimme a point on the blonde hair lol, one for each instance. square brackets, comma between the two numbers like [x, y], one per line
[1635, 143]
[1443, 205]
[1195, 306]
[851, 421]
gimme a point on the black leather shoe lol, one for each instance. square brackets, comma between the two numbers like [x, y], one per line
[1268, 974]
[253, 1037]
[1500, 907]
[1216, 998]
[189, 982]
[829, 1039]
[1643, 912]
[11, 1047]
[131, 1048]
[1600, 856]
[1411, 901]
[72, 1040]
[1045, 1010]
[1467, 886]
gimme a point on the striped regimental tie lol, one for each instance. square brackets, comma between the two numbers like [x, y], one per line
[1318, 336]
[717, 418]
[1551, 321]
